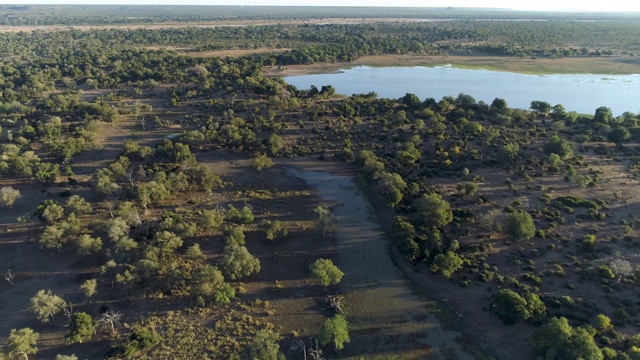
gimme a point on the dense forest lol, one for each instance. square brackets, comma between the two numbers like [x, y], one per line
[147, 212]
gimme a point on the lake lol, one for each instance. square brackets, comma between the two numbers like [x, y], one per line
[582, 93]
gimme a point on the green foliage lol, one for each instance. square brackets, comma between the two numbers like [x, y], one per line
[210, 221]
[22, 342]
[558, 340]
[261, 162]
[324, 220]
[559, 146]
[243, 216]
[80, 328]
[263, 346]
[510, 152]
[448, 263]
[273, 229]
[603, 323]
[510, 306]
[326, 272]
[467, 188]
[66, 357]
[88, 244]
[224, 294]
[8, 196]
[619, 135]
[77, 205]
[90, 287]
[194, 252]
[140, 338]
[335, 331]
[434, 211]
[238, 263]
[205, 281]
[45, 305]
[234, 236]
[51, 212]
[603, 114]
[520, 225]
[391, 186]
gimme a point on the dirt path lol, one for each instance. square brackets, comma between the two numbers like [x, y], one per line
[386, 317]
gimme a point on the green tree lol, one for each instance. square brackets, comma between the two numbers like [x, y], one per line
[335, 331]
[324, 220]
[80, 328]
[261, 162]
[52, 212]
[224, 294]
[619, 135]
[8, 196]
[88, 244]
[603, 323]
[234, 236]
[210, 221]
[193, 252]
[237, 262]
[434, 211]
[510, 306]
[243, 216]
[391, 186]
[520, 225]
[558, 340]
[541, 107]
[510, 152]
[326, 272]
[90, 288]
[273, 229]
[52, 238]
[274, 144]
[603, 114]
[45, 304]
[77, 205]
[559, 146]
[205, 281]
[23, 342]
[448, 263]
[499, 106]
[263, 346]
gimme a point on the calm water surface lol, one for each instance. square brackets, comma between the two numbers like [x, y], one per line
[582, 93]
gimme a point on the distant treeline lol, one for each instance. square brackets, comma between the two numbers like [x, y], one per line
[43, 15]
[345, 42]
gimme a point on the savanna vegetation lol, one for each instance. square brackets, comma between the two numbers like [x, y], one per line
[144, 213]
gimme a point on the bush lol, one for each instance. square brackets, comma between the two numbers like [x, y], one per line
[140, 338]
[520, 225]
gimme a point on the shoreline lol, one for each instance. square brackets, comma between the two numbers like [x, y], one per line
[615, 65]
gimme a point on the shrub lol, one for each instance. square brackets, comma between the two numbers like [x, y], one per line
[520, 225]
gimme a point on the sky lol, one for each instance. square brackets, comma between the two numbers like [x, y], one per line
[588, 5]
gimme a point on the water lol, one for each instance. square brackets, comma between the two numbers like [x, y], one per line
[582, 93]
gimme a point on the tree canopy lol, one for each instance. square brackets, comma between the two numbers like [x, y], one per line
[326, 272]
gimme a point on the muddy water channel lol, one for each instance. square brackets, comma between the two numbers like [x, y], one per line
[387, 319]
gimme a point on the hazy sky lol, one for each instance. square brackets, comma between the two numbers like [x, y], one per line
[599, 5]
